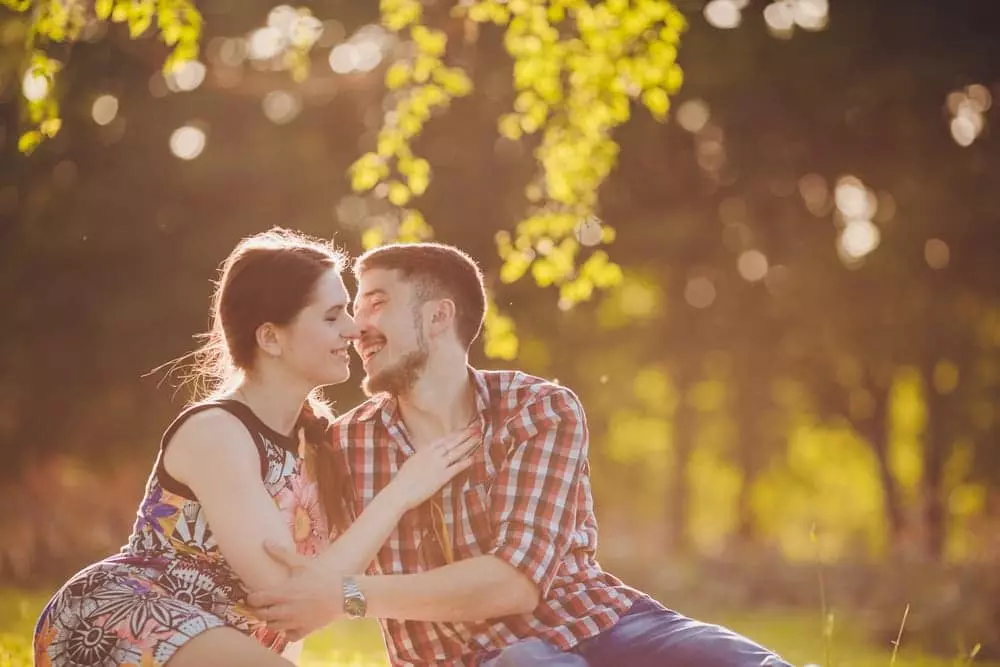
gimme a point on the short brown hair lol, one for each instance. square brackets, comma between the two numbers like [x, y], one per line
[439, 271]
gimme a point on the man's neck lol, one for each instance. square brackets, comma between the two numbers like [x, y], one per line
[441, 402]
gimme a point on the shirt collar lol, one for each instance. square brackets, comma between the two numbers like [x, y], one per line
[386, 407]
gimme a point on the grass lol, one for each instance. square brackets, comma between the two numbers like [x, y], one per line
[798, 637]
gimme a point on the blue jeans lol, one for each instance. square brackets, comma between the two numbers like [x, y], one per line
[648, 635]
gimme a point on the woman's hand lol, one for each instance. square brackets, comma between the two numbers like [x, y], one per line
[433, 466]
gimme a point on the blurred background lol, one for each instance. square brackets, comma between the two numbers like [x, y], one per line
[792, 391]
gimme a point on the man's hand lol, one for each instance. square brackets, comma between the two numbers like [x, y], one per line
[307, 601]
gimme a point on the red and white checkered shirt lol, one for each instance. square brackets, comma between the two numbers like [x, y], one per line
[526, 499]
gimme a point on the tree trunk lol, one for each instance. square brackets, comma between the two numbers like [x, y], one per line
[935, 456]
[685, 423]
[875, 430]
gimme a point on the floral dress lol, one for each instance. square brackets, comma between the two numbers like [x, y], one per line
[170, 582]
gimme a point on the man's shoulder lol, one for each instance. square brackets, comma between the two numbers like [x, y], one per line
[518, 390]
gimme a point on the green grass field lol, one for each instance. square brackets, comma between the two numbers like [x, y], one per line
[797, 637]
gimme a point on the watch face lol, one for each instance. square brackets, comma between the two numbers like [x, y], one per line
[355, 606]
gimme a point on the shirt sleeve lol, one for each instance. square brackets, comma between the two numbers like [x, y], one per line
[534, 496]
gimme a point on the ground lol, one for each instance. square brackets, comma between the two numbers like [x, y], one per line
[798, 637]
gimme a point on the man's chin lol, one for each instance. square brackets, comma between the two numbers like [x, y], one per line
[373, 385]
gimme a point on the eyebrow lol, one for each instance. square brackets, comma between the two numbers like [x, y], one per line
[373, 292]
[339, 308]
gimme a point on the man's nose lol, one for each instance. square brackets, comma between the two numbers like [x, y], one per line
[352, 331]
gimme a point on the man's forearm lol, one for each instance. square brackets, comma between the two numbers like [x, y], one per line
[469, 590]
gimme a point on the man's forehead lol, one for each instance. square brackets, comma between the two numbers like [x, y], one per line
[379, 280]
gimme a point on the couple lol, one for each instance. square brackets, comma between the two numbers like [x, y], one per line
[464, 494]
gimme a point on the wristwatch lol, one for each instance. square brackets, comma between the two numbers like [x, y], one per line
[355, 604]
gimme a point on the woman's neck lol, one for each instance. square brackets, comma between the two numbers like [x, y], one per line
[278, 407]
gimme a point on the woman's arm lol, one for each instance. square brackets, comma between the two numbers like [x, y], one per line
[215, 456]
[418, 479]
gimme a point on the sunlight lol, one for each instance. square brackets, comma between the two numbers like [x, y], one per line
[186, 77]
[266, 43]
[815, 194]
[937, 254]
[752, 265]
[693, 115]
[187, 142]
[35, 86]
[281, 107]
[968, 109]
[780, 19]
[859, 238]
[699, 292]
[723, 14]
[851, 197]
[344, 58]
[105, 109]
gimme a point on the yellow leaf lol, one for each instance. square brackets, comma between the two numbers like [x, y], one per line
[454, 81]
[29, 141]
[398, 75]
[543, 272]
[409, 125]
[675, 79]
[414, 228]
[418, 183]
[372, 238]
[102, 8]
[514, 268]
[363, 177]
[50, 127]
[389, 143]
[120, 13]
[430, 42]
[138, 24]
[421, 166]
[423, 67]
[510, 126]
[657, 101]
[399, 194]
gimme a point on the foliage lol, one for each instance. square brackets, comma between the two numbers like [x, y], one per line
[577, 68]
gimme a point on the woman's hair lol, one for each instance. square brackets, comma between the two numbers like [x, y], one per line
[269, 277]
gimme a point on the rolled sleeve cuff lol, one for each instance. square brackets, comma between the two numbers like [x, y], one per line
[531, 555]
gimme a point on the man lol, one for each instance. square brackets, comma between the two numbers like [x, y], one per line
[499, 568]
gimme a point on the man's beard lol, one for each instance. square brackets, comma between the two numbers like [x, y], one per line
[402, 376]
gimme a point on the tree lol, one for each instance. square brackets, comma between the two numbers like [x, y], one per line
[577, 69]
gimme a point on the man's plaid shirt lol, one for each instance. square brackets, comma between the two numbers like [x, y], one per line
[526, 499]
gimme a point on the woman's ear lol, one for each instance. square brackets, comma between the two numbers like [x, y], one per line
[269, 339]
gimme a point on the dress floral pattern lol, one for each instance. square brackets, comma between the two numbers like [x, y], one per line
[170, 582]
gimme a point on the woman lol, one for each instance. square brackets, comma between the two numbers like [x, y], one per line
[239, 468]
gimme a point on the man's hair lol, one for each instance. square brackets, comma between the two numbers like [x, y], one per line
[437, 271]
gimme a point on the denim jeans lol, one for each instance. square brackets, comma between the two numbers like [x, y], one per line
[647, 635]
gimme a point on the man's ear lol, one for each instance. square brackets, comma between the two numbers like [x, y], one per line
[269, 339]
[442, 317]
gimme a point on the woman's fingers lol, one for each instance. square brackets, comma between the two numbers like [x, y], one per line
[466, 447]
